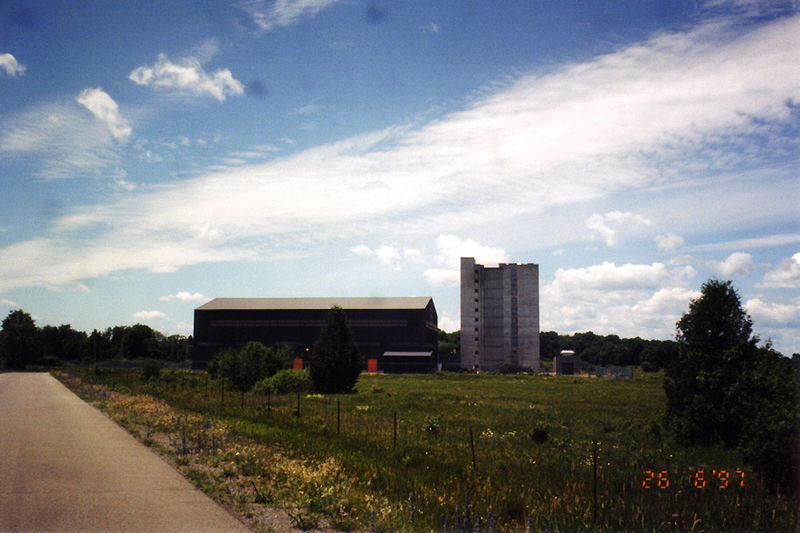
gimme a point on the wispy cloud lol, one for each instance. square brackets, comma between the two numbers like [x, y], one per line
[640, 118]
[106, 110]
[10, 65]
[187, 77]
[61, 139]
[268, 15]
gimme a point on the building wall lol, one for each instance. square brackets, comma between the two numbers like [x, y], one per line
[499, 315]
[375, 330]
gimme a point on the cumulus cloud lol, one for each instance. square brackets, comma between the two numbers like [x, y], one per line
[785, 275]
[737, 264]
[450, 249]
[10, 65]
[187, 76]
[609, 276]
[774, 314]
[442, 277]
[185, 296]
[630, 299]
[106, 110]
[268, 15]
[150, 315]
[607, 225]
[669, 242]
[389, 255]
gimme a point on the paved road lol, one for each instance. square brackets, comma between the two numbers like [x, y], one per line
[65, 466]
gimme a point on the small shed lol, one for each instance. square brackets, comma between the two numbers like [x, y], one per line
[567, 363]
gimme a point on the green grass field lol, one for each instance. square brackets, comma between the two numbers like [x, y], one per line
[451, 452]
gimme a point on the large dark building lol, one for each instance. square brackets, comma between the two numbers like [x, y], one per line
[392, 334]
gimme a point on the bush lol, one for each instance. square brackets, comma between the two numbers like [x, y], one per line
[242, 369]
[284, 382]
[151, 369]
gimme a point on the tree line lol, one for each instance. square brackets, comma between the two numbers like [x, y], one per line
[600, 350]
[606, 350]
[23, 344]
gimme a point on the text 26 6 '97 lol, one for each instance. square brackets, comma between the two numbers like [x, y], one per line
[700, 479]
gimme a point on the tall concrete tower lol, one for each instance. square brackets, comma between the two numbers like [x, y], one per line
[499, 315]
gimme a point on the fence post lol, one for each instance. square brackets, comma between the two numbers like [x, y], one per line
[594, 480]
[472, 447]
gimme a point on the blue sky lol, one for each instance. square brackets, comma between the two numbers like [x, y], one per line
[154, 155]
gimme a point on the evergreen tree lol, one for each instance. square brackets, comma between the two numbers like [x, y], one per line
[335, 363]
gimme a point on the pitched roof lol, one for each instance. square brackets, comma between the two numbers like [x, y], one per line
[413, 302]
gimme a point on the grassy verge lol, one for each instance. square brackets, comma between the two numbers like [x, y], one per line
[444, 452]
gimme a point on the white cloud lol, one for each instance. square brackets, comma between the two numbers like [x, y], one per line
[608, 276]
[758, 242]
[669, 242]
[10, 65]
[270, 15]
[450, 250]
[150, 316]
[602, 224]
[184, 296]
[8, 303]
[442, 277]
[629, 300]
[636, 119]
[62, 140]
[737, 264]
[448, 323]
[361, 249]
[785, 275]
[106, 110]
[389, 255]
[188, 76]
[773, 314]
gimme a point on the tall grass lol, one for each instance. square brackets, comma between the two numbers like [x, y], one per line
[546, 453]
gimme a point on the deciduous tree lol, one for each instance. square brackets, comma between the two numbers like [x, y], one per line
[19, 340]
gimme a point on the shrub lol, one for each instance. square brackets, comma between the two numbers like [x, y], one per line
[285, 382]
[244, 368]
[539, 434]
[151, 369]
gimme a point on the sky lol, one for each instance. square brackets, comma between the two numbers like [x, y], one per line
[155, 155]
